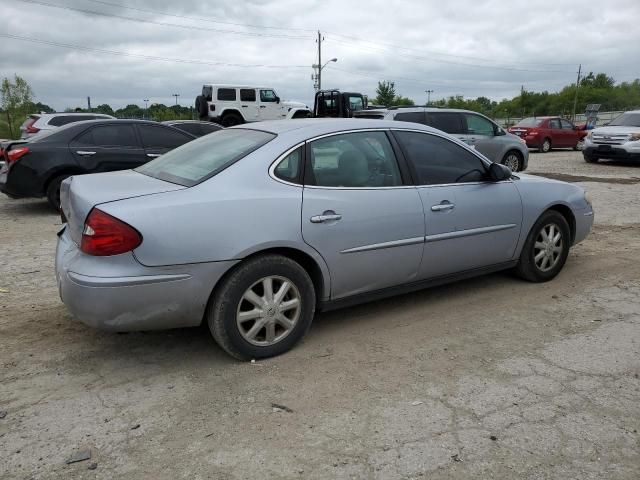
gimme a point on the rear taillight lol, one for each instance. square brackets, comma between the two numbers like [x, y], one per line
[105, 235]
[29, 128]
[16, 153]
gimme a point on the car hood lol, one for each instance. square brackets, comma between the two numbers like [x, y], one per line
[612, 130]
[80, 193]
[291, 104]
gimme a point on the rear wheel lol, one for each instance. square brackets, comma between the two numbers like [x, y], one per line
[263, 308]
[546, 248]
[231, 119]
[545, 146]
[513, 160]
[53, 191]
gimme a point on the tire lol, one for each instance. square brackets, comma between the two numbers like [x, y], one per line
[545, 146]
[534, 270]
[53, 191]
[513, 160]
[229, 300]
[202, 107]
[231, 119]
[589, 158]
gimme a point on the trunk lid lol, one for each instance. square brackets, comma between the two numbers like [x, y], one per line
[80, 193]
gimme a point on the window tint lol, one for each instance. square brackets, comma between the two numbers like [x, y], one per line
[438, 160]
[554, 123]
[415, 117]
[289, 168]
[627, 120]
[109, 136]
[566, 125]
[446, 121]
[192, 128]
[247, 95]
[203, 158]
[66, 119]
[267, 96]
[479, 125]
[362, 159]
[529, 122]
[228, 94]
[161, 137]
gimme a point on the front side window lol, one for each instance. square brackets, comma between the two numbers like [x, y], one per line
[566, 125]
[227, 94]
[161, 137]
[267, 96]
[355, 103]
[200, 159]
[247, 95]
[109, 136]
[477, 125]
[414, 117]
[289, 167]
[437, 160]
[446, 121]
[354, 160]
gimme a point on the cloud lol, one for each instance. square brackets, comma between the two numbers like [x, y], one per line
[470, 47]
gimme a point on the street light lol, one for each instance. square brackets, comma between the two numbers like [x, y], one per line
[175, 95]
[320, 68]
[146, 107]
[428, 92]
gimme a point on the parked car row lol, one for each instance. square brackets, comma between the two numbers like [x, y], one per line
[545, 133]
[37, 166]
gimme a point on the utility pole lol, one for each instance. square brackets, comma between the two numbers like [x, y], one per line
[522, 99]
[146, 107]
[176, 95]
[428, 92]
[319, 60]
[575, 98]
[89, 103]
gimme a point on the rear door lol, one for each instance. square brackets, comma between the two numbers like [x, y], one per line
[249, 104]
[555, 133]
[159, 139]
[470, 222]
[108, 147]
[481, 135]
[359, 214]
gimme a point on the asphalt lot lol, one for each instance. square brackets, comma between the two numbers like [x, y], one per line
[487, 378]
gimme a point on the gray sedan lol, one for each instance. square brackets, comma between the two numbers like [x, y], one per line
[254, 228]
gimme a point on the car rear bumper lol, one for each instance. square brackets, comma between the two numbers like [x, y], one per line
[20, 182]
[613, 152]
[119, 294]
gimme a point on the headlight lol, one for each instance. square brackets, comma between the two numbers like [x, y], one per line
[587, 198]
[634, 137]
[589, 135]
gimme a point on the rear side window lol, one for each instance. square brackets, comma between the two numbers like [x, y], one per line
[446, 121]
[200, 159]
[227, 94]
[289, 168]
[66, 119]
[192, 128]
[247, 95]
[554, 123]
[109, 136]
[161, 137]
[440, 161]
[415, 117]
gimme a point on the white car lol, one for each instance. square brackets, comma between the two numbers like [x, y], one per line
[231, 105]
[618, 140]
[40, 122]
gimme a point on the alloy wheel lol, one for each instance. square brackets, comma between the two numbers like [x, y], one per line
[513, 162]
[547, 249]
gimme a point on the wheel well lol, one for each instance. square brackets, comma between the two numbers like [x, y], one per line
[231, 112]
[569, 217]
[55, 175]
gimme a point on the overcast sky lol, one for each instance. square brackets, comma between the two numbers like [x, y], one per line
[467, 47]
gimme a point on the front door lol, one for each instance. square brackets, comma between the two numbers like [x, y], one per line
[481, 135]
[270, 107]
[359, 213]
[470, 222]
[104, 148]
[159, 139]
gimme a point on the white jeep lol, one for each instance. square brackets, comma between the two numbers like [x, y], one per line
[232, 105]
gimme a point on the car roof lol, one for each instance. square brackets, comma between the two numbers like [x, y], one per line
[230, 85]
[71, 114]
[320, 126]
[173, 122]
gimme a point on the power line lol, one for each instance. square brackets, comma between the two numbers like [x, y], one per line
[146, 57]
[200, 19]
[164, 24]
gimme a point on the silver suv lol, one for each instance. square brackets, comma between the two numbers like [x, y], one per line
[472, 128]
[39, 122]
[618, 140]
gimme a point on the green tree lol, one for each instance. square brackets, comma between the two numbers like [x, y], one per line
[402, 101]
[104, 108]
[17, 100]
[386, 93]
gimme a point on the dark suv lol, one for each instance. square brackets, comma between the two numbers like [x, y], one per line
[472, 128]
[37, 167]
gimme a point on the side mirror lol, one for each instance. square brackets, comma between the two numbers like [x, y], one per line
[499, 172]
[277, 99]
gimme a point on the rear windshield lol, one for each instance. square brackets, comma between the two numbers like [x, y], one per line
[626, 120]
[200, 159]
[530, 122]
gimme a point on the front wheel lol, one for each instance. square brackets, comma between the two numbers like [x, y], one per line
[589, 158]
[513, 160]
[546, 248]
[53, 191]
[263, 308]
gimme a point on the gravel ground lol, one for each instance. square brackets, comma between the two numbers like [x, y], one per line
[487, 378]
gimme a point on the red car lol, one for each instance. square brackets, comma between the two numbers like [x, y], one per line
[545, 133]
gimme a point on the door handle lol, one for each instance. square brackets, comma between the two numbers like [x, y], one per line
[442, 207]
[263, 106]
[245, 106]
[153, 155]
[85, 153]
[326, 218]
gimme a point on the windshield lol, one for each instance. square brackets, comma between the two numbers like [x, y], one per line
[200, 159]
[529, 122]
[356, 103]
[626, 120]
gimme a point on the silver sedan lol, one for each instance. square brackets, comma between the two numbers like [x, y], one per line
[254, 228]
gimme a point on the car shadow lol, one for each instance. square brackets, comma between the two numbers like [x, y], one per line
[32, 207]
